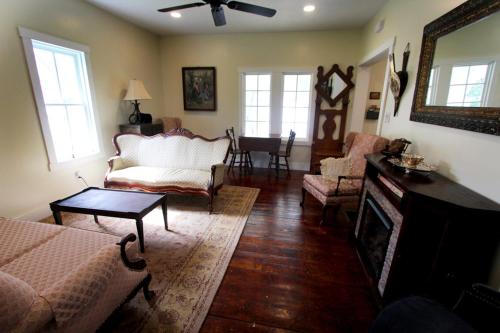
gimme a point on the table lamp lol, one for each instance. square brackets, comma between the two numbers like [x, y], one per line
[135, 92]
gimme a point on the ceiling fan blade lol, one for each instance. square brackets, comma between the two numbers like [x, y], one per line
[170, 9]
[253, 9]
[218, 14]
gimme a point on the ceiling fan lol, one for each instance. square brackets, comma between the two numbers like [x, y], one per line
[218, 11]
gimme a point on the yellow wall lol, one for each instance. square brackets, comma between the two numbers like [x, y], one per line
[229, 53]
[119, 52]
[471, 159]
[466, 157]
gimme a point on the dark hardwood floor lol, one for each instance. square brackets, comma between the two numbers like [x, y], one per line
[288, 274]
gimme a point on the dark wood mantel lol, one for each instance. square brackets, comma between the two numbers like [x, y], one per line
[433, 186]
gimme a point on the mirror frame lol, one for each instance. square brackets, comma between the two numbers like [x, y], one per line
[477, 119]
[323, 79]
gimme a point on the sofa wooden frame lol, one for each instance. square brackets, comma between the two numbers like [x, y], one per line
[212, 190]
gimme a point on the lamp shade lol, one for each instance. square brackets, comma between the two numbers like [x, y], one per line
[136, 91]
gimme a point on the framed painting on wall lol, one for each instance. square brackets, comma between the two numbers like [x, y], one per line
[199, 88]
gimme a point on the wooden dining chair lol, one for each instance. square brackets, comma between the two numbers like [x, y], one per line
[274, 159]
[244, 156]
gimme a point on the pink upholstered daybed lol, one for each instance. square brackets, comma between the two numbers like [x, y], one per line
[60, 279]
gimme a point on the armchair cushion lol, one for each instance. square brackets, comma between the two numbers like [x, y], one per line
[328, 186]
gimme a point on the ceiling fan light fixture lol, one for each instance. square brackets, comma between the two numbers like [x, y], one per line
[175, 14]
[309, 8]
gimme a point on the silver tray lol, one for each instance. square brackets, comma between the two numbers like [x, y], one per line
[421, 167]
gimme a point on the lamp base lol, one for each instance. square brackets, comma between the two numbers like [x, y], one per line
[135, 117]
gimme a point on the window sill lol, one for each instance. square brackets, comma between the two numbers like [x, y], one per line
[56, 166]
[296, 143]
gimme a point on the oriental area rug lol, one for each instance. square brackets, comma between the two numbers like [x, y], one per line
[187, 263]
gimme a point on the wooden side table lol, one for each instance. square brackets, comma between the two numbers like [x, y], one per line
[144, 129]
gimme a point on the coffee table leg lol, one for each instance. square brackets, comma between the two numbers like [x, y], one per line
[57, 217]
[96, 219]
[165, 215]
[140, 233]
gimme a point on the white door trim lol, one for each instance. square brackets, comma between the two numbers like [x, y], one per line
[360, 99]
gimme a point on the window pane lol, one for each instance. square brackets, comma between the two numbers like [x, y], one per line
[265, 82]
[251, 82]
[60, 131]
[264, 98]
[47, 73]
[262, 129]
[251, 113]
[431, 77]
[290, 83]
[304, 83]
[289, 99]
[477, 74]
[285, 129]
[474, 93]
[263, 114]
[250, 128]
[302, 99]
[251, 98]
[302, 115]
[67, 70]
[459, 75]
[456, 94]
[288, 115]
[301, 130]
[81, 131]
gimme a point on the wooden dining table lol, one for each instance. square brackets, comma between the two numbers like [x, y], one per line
[268, 144]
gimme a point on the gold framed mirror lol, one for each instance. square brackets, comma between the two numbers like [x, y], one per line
[458, 80]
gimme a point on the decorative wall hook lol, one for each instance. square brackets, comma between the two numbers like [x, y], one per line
[399, 80]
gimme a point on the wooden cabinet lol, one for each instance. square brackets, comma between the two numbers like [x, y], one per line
[423, 234]
[144, 129]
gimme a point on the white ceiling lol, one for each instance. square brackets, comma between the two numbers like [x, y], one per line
[329, 14]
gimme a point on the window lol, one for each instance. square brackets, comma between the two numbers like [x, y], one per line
[432, 87]
[468, 85]
[60, 79]
[296, 104]
[257, 104]
[277, 102]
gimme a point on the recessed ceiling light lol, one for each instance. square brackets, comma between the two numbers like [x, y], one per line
[175, 14]
[309, 8]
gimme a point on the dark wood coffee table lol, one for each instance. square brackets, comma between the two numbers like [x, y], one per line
[115, 203]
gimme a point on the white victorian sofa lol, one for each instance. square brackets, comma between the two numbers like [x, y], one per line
[60, 279]
[174, 162]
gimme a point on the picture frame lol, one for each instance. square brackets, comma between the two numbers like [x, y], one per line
[199, 88]
[374, 95]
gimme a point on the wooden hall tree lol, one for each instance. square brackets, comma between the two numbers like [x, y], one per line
[331, 87]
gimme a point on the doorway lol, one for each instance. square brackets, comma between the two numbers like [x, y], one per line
[370, 95]
[375, 87]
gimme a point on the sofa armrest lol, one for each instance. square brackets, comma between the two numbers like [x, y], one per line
[217, 174]
[115, 163]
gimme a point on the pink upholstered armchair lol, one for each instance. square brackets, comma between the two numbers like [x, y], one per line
[344, 189]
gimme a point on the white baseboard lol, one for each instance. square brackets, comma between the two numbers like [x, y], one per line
[37, 214]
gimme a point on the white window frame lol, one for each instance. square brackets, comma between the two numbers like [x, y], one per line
[277, 87]
[434, 85]
[487, 82]
[27, 36]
